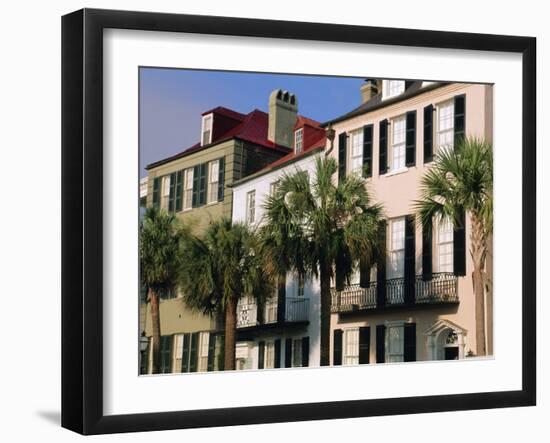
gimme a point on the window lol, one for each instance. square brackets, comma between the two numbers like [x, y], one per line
[188, 189]
[165, 192]
[395, 343]
[273, 188]
[399, 130]
[250, 206]
[300, 285]
[351, 346]
[298, 140]
[397, 248]
[445, 245]
[213, 178]
[269, 355]
[445, 124]
[391, 88]
[204, 339]
[355, 163]
[297, 353]
[206, 129]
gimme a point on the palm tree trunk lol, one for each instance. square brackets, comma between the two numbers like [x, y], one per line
[478, 257]
[155, 320]
[489, 291]
[230, 334]
[324, 276]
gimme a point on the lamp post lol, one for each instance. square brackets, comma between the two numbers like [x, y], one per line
[331, 133]
[143, 344]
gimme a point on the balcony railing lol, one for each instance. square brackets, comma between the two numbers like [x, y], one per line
[296, 310]
[442, 288]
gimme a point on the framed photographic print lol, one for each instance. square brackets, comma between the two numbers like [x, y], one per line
[271, 221]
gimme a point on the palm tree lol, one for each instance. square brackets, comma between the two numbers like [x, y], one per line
[321, 230]
[158, 252]
[216, 270]
[461, 182]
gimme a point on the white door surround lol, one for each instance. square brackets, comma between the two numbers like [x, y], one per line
[442, 334]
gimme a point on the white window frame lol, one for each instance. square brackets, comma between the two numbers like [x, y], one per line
[392, 88]
[188, 176]
[204, 340]
[300, 285]
[206, 126]
[448, 130]
[297, 353]
[213, 181]
[396, 248]
[273, 188]
[250, 215]
[299, 140]
[165, 192]
[350, 348]
[355, 152]
[391, 354]
[269, 354]
[445, 245]
[401, 145]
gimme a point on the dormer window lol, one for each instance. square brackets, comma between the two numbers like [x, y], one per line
[298, 140]
[206, 137]
[391, 88]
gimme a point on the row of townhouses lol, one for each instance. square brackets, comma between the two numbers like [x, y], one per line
[418, 305]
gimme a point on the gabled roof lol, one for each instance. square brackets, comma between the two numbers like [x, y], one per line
[252, 128]
[377, 103]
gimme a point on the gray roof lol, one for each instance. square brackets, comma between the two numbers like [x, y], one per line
[376, 102]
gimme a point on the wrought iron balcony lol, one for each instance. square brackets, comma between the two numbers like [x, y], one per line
[296, 310]
[442, 288]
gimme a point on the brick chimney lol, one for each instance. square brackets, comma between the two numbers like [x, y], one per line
[368, 89]
[283, 109]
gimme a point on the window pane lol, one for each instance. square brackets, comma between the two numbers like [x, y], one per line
[355, 151]
[297, 353]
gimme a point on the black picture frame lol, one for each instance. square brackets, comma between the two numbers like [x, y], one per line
[82, 218]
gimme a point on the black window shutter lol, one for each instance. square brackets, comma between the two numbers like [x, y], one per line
[380, 343]
[409, 352]
[364, 273]
[364, 345]
[305, 351]
[460, 119]
[408, 84]
[459, 246]
[342, 140]
[193, 352]
[367, 150]
[261, 351]
[428, 133]
[410, 253]
[427, 246]
[166, 353]
[211, 351]
[288, 353]
[179, 190]
[156, 192]
[221, 179]
[337, 353]
[185, 353]
[381, 268]
[410, 139]
[202, 183]
[172, 195]
[383, 147]
[339, 276]
[277, 353]
[196, 185]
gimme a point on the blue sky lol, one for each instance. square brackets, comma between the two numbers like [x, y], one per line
[172, 100]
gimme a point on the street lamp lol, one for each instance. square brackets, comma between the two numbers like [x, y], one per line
[331, 133]
[143, 344]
